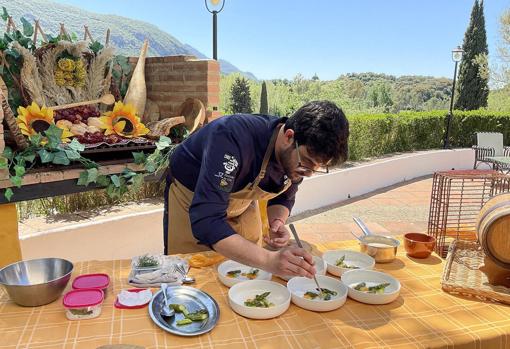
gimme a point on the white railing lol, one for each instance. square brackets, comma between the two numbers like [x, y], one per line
[136, 233]
[323, 190]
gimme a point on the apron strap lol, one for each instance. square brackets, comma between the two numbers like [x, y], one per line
[267, 156]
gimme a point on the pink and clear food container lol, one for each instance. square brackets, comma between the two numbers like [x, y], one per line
[97, 281]
[83, 303]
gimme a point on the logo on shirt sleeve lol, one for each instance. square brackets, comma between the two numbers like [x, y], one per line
[226, 178]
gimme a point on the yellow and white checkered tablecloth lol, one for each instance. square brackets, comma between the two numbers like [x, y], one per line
[422, 317]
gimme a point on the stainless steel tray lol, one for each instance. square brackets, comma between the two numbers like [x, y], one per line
[194, 300]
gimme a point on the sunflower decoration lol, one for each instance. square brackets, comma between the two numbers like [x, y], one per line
[70, 72]
[122, 120]
[34, 120]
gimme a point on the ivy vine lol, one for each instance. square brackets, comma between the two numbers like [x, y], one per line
[46, 148]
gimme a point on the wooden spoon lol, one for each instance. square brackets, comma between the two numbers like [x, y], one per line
[107, 99]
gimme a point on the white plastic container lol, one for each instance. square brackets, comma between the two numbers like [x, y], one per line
[83, 303]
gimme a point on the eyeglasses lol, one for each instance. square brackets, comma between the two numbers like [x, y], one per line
[306, 169]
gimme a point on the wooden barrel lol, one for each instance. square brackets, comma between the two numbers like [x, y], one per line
[493, 229]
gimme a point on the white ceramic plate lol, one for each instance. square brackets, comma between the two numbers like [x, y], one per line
[371, 278]
[243, 291]
[320, 267]
[298, 286]
[352, 258]
[230, 265]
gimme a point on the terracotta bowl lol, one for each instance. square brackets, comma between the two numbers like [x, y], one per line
[419, 245]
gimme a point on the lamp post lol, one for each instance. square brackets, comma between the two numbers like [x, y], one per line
[456, 57]
[215, 8]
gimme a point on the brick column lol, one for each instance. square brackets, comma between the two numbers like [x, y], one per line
[172, 79]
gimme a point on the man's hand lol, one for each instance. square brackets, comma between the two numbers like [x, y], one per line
[278, 234]
[291, 261]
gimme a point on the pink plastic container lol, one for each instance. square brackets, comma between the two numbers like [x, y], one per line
[83, 303]
[97, 281]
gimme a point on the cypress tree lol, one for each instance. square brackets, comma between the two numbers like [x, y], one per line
[264, 108]
[473, 75]
[240, 99]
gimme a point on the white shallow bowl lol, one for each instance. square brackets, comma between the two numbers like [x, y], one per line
[354, 258]
[242, 291]
[229, 265]
[371, 278]
[298, 286]
[320, 268]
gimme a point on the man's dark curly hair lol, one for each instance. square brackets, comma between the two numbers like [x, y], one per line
[324, 129]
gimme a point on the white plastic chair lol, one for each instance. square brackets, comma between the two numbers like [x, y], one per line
[489, 144]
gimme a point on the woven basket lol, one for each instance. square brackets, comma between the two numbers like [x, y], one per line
[3, 87]
[9, 118]
[461, 274]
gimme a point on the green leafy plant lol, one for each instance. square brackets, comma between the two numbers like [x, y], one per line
[158, 160]
[117, 184]
[240, 99]
[473, 85]
[47, 149]
[19, 163]
[373, 135]
[120, 73]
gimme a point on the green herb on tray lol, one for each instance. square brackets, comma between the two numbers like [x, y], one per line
[147, 261]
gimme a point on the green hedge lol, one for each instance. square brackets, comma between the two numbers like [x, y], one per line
[376, 135]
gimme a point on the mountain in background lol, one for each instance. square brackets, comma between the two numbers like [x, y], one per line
[226, 66]
[127, 34]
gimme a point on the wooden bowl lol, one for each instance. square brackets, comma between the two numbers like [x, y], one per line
[419, 245]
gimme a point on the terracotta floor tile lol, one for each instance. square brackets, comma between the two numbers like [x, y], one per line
[392, 211]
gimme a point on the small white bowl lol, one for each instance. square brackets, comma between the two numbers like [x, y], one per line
[371, 278]
[298, 286]
[320, 268]
[229, 265]
[242, 291]
[358, 259]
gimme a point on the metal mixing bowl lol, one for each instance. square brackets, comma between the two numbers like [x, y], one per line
[381, 248]
[36, 282]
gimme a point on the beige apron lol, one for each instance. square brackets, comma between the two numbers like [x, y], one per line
[243, 213]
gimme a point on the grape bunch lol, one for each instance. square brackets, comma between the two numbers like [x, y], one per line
[77, 114]
[98, 137]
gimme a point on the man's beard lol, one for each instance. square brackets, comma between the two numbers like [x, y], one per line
[288, 165]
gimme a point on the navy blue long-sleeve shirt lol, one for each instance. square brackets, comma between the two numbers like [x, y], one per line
[224, 157]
